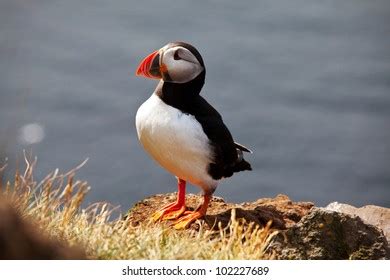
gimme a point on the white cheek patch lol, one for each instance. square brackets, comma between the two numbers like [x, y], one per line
[184, 69]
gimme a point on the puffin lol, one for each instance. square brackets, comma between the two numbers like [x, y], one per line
[182, 132]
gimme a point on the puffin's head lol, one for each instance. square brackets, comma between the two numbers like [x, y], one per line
[175, 63]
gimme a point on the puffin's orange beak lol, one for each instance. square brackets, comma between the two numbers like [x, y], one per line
[150, 66]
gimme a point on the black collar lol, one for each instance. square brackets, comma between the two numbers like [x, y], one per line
[181, 96]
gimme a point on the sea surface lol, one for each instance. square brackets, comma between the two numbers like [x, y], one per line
[305, 84]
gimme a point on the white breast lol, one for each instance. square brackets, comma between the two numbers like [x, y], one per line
[176, 141]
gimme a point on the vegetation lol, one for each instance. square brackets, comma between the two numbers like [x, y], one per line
[55, 206]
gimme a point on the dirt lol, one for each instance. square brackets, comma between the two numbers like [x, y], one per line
[283, 212]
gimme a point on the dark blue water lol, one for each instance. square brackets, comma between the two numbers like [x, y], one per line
[305, 84]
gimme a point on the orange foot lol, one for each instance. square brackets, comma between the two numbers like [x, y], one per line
[191, 216]
[188, 218]
[169, 212]
[176, 209]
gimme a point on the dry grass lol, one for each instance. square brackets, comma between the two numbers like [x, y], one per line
[54, 204]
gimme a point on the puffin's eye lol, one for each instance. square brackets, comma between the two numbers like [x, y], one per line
[176, 55]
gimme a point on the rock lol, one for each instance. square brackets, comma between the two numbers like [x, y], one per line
[371, 214]
[281, 210]
[20, 239]
[304, 231]
[325, 234]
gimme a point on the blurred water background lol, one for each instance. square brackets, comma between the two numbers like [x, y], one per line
[305, 84]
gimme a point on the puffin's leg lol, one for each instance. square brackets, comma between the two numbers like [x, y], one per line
[176, 209]
[191, 216]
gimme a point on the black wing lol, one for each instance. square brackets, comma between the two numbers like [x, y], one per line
[228, 156]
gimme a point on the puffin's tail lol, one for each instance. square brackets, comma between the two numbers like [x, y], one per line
[225, 171]
[241, 164]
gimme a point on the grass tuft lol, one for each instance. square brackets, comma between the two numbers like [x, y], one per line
[55, 206]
